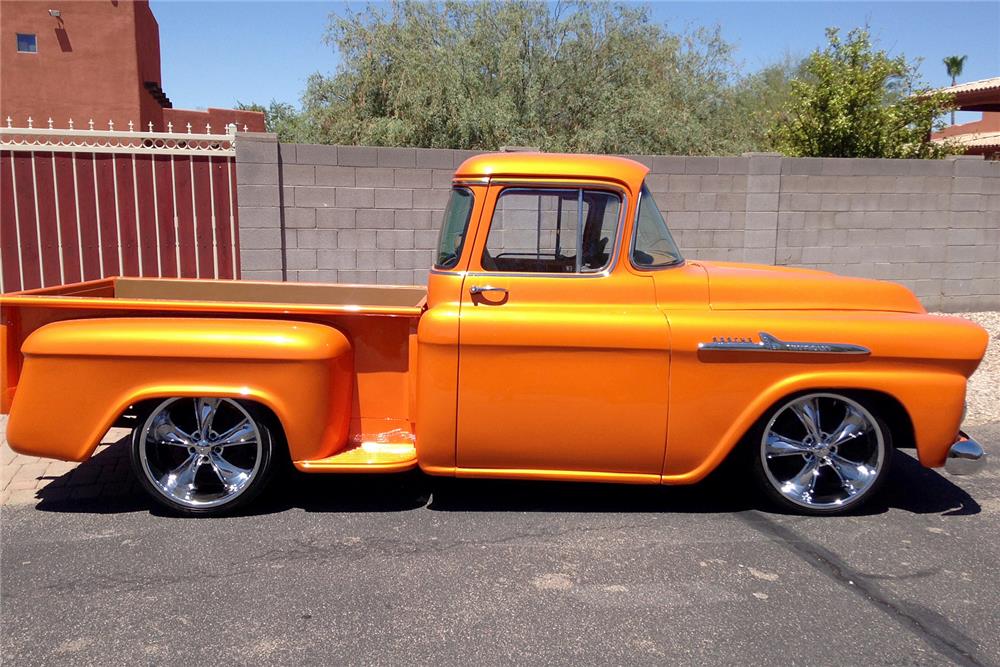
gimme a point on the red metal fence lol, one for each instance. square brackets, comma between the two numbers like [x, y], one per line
[85, 204]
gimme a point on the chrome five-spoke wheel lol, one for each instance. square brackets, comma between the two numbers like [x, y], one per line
[822, 453]
[202, 455]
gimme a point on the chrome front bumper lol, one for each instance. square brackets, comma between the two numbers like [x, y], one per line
[965, 457]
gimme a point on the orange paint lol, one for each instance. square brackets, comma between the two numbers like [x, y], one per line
[591, 376]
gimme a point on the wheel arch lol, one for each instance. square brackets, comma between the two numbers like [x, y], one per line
[891, 410]
[143, 399]
[923, 408]
[881, 403]
[142, 406]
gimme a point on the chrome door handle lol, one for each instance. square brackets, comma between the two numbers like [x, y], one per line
[479, 289]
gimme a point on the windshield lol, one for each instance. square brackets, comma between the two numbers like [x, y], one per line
[453, 229]
[652, 245]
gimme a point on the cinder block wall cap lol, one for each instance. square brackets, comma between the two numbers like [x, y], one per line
[269, 137]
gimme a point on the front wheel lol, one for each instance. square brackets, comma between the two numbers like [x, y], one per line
[203, 456]
[822, 453]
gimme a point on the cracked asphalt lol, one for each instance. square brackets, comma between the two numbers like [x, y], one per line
[402, 569]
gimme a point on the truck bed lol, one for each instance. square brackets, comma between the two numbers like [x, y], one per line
[380, 321]
[227, 295]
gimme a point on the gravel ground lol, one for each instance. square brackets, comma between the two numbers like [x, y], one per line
[984, 385]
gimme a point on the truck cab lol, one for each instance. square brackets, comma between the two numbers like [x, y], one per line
[548, 302]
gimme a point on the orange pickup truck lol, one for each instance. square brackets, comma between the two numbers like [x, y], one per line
[561, 336]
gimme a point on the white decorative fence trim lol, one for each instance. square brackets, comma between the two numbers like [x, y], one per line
[111, 141]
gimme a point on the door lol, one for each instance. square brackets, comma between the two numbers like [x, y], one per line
[563, 353]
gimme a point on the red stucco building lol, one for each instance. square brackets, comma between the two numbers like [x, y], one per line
[97, 60]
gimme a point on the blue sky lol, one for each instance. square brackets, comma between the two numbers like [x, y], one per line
[215, 53]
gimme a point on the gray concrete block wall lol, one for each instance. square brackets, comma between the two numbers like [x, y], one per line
[907, 221]
[932, 225]
[351, 214]
[261, 229]
[359, 214]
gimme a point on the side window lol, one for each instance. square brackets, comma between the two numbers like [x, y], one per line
[552, 231]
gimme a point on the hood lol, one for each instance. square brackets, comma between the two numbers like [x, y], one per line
[734, 286]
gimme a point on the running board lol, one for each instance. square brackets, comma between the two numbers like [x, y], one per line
[366, 457]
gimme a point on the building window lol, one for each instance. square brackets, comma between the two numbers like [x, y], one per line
[26, 43]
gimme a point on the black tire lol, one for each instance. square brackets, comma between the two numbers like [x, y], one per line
[844, 477]
[165, 450]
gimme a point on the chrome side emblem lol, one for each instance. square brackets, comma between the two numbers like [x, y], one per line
[729, 340]
[770, 343]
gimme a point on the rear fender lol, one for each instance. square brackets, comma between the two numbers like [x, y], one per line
[80, 375]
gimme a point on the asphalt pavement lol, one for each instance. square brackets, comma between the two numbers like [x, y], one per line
[407, 570]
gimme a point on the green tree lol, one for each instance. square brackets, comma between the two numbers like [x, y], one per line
[954, 65]
[283, 119]
[757, 100]
[564, 76]
[854, 101]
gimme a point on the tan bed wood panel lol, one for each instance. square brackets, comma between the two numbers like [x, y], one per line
[265, 292]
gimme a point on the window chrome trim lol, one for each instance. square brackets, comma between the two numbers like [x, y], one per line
[535, 274]
[549, 187]
[446, 272]
[770, 343]
[635, 234]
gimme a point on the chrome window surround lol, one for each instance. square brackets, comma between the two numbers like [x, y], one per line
[635, 233]
[536, 186]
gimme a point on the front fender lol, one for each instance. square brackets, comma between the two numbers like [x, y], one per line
[80, 375]
[933, 401]
[922, 361]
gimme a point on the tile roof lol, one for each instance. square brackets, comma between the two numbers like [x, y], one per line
[973, 86]
[975, 139]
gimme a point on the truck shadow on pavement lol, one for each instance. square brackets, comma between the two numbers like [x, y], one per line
[910, 487]
[104, 484]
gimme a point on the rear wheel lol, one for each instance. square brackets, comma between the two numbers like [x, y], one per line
[822, 453]
[204, 455]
